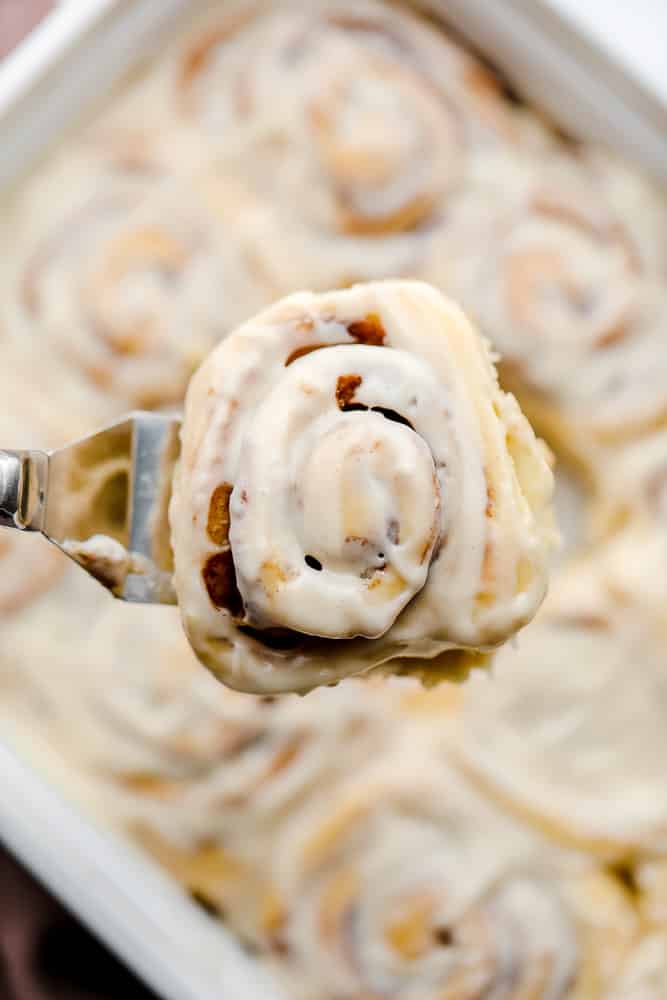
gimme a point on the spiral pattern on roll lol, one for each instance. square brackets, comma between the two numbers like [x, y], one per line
[570, 732]
[354, 487]
[382, 126]
[459, 918]
[133, 281]
[569, 295]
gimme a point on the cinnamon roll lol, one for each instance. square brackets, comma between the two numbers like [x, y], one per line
[569, 732]
[564, 291]
[203, 777]
[132, 289]
[260, 762]
[638, 203]
[361, 114]
[181, 757]
[354, 488]
[413, 887]
[214, 819]
[221, 884]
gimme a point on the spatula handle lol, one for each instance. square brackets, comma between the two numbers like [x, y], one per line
[23, 478]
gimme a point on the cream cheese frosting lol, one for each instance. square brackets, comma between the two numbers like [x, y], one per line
[136, 279]
[482, 906]
[571, 293]
[568, 731]
[352, 474]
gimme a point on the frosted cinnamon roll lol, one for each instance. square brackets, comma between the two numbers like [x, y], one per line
[637, 201]
[181, 757]
[65, 207]
[132, 289]
[566, 297]
[221, 884]
[61, 218]
[262, 762]
[213, 819]
[362, 115]
[353, 488]
[414, 887]
[202, 776]
[569, 733]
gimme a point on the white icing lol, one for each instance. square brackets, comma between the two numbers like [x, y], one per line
[428, 536]
[577, 315]
[460, 919]
[133, 278]
[569, 728]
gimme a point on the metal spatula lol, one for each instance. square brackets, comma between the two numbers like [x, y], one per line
[104, 502]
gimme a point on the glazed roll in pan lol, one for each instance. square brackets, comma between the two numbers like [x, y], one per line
[574, 301]
[480, 906]
[354, 488]
[127, 284]
[483, 904]
[355, 111]
[569, 732]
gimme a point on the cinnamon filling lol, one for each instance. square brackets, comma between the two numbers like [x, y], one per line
[219, 575]
[217, 525]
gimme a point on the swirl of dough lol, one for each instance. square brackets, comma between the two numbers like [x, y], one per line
[62, 218]
[361, 114]
[363, 498]
[480, 908]
[354, 487]
[66, 208]
[133, 289]
[566, 295]
[571, 732]
[180, 756]
[267, 762]
[638, 203]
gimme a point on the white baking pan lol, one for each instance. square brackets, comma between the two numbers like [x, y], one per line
[596, 74]
[121, 895]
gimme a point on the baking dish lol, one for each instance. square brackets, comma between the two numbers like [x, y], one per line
[65, 66]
